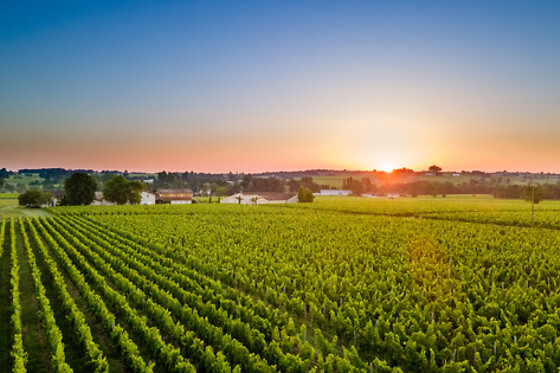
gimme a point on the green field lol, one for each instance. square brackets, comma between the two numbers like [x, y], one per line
[23, 182]
[9, 208]
[340, 285]
[24, 179]
[9, 195]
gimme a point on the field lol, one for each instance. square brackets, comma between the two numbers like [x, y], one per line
[9, 207]
[24, 178]
[9, 195]
[339, 285]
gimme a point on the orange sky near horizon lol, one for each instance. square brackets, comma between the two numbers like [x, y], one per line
[337, 151]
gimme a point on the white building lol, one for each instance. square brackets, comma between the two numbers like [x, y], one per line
[147, 198]
[100, 201]
[335, 192]
[180, 202]
[260, 198]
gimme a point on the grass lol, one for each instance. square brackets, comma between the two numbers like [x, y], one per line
[10, 208]
[23, 180]
[5, 202]
[9, 195]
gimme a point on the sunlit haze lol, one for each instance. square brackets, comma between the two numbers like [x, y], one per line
[250, 86]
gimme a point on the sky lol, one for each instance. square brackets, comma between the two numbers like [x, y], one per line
[250, 86]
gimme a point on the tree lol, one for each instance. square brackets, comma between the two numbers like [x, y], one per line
[4, 174]
[34, 198]
[136, 188]
[307, 182]
[222, 191]
[357, 187]
[120, 191]
[9, 188]
[79, 189]
[20, 187]
[403, 171]
[435, 169]
[246, 182]
[532, 193]
[305, 195]
[368, 186]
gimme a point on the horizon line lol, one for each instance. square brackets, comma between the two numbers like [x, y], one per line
[97, 170]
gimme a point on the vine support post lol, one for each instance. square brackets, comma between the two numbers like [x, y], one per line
[532, 204]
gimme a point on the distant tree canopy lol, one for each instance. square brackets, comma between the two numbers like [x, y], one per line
[79, 189]
[403, 171]
[435, 169]
[532, 191]
[306, 181]
[305, 195]
[359, 187]
[34, 198]
[120, 191]
[222, 191]
[4, 174]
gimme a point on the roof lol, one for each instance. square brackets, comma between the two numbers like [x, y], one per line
[269, 196]
[174, 191]
[276, 196]
[174, 195]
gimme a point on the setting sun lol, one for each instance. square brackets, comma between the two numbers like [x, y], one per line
[387, 167]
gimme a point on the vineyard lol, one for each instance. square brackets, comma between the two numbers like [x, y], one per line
[340, 285]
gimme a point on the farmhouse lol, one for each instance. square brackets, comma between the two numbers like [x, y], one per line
[98, 200]
[174, 196]
[57, 196]
[260, 198]
[147, 198]
[335, 192]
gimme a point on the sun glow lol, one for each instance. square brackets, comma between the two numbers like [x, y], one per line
[387, 167]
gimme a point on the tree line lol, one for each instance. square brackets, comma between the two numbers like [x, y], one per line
[229, 184]
[443, 188]
[80, 188]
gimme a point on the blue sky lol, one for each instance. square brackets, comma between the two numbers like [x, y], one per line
[268, 85]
